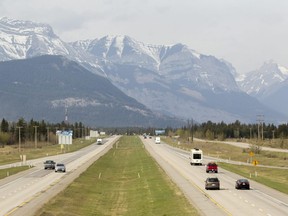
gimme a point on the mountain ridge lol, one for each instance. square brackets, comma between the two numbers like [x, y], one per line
[171, 79]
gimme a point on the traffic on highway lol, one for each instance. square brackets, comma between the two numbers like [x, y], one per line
[211, 189]
[226, 199]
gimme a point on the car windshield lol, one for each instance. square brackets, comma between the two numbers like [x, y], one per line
[243, 180]
[60, 164]
[213, 180]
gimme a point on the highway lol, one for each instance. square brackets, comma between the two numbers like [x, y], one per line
[24, 193]
[259, 200]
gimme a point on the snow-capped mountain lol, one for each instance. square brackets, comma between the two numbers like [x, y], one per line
[174, 79]
[259, 82]
[44, 87]
[28, 39]
[269, 84]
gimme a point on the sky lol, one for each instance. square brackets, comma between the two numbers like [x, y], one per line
[245, 33]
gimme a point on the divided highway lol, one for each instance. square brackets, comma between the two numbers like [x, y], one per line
[24, 193]
[259, 200]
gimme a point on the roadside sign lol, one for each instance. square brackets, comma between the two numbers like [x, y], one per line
[255, 162]
[251, 154]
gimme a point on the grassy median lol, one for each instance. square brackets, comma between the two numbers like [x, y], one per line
[125, 181]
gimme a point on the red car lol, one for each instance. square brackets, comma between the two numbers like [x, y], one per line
[212, 167]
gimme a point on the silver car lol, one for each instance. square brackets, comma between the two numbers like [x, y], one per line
[212, 183]
[60, 167]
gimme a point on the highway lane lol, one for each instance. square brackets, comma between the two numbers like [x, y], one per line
[18, 193]
[260, 200]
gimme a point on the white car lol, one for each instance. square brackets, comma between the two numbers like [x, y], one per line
[60, 167]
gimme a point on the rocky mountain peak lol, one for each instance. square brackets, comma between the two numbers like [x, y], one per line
[258, 81]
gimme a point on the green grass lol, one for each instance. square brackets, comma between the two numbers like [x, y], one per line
[229, 152]
[11, 171]
[125, 181]
[274, 178]
[10, 154]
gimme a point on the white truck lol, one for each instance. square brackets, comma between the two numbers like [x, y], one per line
[99, 141]
[157, 140]
[196, 156]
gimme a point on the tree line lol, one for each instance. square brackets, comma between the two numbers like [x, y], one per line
[28, 131]
[236, 130]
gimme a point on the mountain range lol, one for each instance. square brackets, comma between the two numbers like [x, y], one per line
[269, 84]
[173, 80]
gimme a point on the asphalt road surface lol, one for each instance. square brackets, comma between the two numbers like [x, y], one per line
[259, 200]
[26, 192]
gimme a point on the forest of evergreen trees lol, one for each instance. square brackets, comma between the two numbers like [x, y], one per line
[10, 132]
[221, 131]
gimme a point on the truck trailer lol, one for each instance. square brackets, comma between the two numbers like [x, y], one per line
[196, 156]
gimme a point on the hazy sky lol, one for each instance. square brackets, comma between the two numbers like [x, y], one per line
[244, 32]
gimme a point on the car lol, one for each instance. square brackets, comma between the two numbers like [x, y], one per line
[212, 183]
[242, 184]
[212, 167]
[60, 167]
[49, 164]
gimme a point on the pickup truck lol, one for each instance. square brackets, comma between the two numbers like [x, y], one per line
[212, 167]
[49, 164]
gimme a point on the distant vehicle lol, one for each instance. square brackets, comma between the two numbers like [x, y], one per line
[211, 167]
[242, 184]
[49, 164]
[196, 156]
[99, 141]
[60, 167]
[212, 183]
[157, 140]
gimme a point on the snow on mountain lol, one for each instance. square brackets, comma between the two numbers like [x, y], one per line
[174, 79]
[24, 39]
[260, 82]
[269, 84]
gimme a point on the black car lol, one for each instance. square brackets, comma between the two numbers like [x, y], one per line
[242, 184]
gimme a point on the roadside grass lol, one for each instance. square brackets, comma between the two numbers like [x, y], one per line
[10, 154]
[11, 171]
[229, 152]
[125, 181]
[276, 178]
[273, 178]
